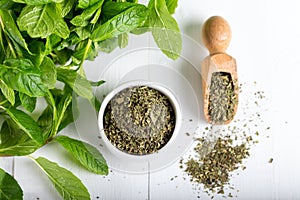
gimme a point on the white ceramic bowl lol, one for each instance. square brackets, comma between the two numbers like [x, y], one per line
[161, 88]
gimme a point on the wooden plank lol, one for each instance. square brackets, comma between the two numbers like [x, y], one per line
[7, 163]
[118, 185]
[171, 183]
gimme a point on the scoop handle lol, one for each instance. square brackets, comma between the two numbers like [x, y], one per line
[216, 34]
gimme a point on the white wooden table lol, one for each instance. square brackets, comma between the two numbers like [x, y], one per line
[265, 44]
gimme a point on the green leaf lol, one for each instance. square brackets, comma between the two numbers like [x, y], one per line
[108, 45]
[86, 3]
[23, 76]
[43, 20]
[9, 187]
[18, 51]
[11, 29]
[45, 122]
[83, 32]
[18, 64]
[121, 23]
[63, 109]
[65, 182]
[51, 43]
[171, 5]
[14, 141]
[62, 29]
[123, 40]
[38, 50]
[97, 83]
[40, 2]
[164, 29]
[6, 4]
[78, 83]
[61, 57]
[7, 92]
[83, 53]
[83, 19]
[27, 102]
[111, 8]
[86, 154]
[2, 48]
[96, 16]
[48, 71]
[27, 124]
[66, 6]
[73, 39]
[19, 1]
[71, 113]
[133, 1]
[97, 105]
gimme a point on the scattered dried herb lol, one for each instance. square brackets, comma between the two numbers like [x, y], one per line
[213, 169]
[221, 150]
[139, 120]
[222, 98]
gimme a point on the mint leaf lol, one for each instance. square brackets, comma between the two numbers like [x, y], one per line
[66, 6]
[122, 23]
[71, 113]
[11, 29]
[97, 83]
[83, 19]
[108, 45]
[86, 3]
[43, 20]
[26, 124]
[14, 141]
[110, 9]
[27, 102]
[123, 40]
[81, 52]
[7, 92]
[164, 29]
[41, 2]
[78, 83]
[65, 182]
[65, 109]
[38, 50]
[45, 122]
[86, 154]
[171, 5]
[23, 76]
[48, 72]
[9, 187]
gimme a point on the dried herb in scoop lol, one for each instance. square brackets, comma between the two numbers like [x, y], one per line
[222, 98]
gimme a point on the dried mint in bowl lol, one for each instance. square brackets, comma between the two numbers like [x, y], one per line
[139, 120]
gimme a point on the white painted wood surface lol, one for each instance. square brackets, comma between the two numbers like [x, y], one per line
[265, 44]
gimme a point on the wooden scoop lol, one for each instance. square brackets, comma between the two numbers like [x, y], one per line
[216, 36]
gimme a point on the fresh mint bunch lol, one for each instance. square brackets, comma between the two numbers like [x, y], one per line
[45, 42]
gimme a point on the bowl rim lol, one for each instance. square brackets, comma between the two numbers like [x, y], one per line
[151, 84]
